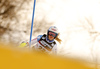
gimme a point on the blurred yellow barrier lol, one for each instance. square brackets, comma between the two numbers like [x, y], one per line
[16, 59]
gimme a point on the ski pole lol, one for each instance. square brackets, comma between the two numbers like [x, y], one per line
[32, 23]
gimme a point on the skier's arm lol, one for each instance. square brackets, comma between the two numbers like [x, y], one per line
[35, 40]
[25, 44]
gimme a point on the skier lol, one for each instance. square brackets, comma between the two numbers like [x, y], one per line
[46, 43]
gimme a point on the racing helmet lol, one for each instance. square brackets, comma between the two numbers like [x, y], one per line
[53, 31]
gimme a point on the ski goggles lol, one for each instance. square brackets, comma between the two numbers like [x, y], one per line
[52, 34]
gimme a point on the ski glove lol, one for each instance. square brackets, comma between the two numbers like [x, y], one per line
[23, 44]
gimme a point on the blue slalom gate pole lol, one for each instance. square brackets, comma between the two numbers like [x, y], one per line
[32, 24]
